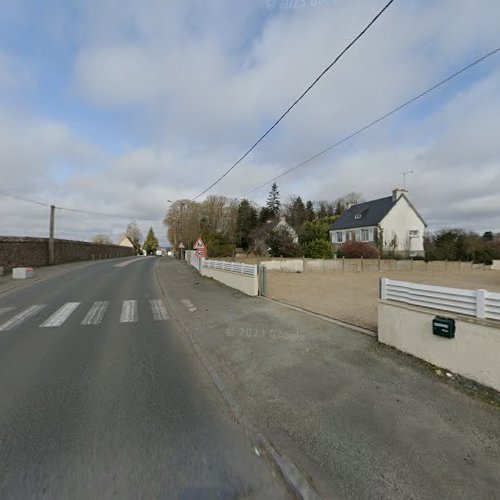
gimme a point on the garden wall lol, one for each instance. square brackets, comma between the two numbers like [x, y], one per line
[34, 252]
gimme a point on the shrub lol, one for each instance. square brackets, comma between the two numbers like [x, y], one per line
[281, 242]
[316, 230]
[357, 249]
[318, 249]
[217, 245]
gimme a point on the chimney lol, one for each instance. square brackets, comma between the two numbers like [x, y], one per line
[396, 193]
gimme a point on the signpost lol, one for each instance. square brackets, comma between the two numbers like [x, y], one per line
[200, 250]
[199, 244]
[181, 247]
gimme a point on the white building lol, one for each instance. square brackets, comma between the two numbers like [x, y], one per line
[392, 223]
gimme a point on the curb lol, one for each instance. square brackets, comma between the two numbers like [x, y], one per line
[360, 329]
[294, 479]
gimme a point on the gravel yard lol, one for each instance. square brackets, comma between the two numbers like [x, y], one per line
[353, 297]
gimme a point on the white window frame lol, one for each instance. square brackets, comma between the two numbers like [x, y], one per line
[365, 232]
[414, 233]
[341, 239]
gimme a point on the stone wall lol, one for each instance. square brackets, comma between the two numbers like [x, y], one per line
[34, 252]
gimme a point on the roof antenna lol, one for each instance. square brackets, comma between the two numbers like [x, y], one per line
[404, 174]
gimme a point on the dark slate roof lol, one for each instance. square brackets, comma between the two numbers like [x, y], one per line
[372, 212]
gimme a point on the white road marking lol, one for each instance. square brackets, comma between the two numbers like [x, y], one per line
[3, 310]
[189, 305]
[129, 311]
[21, 317]
[127, 262]
[61, 315]
[96, 313]
[158, 309]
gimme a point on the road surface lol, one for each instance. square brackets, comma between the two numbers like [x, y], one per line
[102, 396]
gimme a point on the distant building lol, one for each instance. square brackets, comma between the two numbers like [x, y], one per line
[282, 223]
[127, 242]
[393, 223]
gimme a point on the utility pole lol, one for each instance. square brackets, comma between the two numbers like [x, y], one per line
[51, 235]
[178, 223]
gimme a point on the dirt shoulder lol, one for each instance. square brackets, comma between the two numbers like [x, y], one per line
[353, 297]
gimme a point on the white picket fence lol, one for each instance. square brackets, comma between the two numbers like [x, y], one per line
[477, 303]
[232, 267]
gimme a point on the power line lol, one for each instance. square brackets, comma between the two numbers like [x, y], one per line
[297, 100]
[89, 212]
[378, 120]
[102, 214]
[22, 198]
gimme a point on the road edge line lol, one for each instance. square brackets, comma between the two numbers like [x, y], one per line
[294, 479]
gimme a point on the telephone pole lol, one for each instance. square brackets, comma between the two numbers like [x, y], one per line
[51, 235]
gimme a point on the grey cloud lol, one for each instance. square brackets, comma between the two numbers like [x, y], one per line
[202, 80]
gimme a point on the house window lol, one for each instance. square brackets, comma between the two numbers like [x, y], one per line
[414, 233]
[357, 216]
[340, 237]
[365, 235]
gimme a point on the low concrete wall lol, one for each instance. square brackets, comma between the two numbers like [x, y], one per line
[473, 353]
[285, 265]
[245, 284]
[34, 252]
[363, 265]
[495, 265]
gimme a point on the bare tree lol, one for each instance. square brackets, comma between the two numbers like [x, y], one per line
[102, 239]
[183, 222]
[134, 234]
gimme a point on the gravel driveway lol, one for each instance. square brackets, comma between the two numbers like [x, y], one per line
[353, 297]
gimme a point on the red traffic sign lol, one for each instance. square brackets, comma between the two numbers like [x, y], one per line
[199, 245]
[200, 253]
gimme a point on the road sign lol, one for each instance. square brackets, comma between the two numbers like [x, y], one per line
[199, 245]
[181, 245]
[200, 253]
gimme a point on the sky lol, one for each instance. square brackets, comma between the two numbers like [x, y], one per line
[116, 106]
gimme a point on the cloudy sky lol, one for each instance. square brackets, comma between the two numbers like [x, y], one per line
[117, 106]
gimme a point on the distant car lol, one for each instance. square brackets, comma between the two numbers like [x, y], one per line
[159, 253]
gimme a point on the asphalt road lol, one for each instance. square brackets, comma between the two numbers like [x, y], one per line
[102, 396]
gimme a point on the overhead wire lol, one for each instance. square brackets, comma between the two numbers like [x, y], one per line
[378, 120]
[67, 209]
[294, 103]
[7, 194]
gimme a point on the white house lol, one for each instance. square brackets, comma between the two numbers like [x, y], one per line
[127, 242]
[392, 223]
[282, 223]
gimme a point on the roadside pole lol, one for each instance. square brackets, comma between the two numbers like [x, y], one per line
[51, 235]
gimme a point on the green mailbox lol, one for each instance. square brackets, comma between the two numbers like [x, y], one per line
[443, 327]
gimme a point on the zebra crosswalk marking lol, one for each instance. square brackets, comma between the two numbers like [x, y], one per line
[158, 309]
[21, 317]
[129, 311]
[61, 315]
[96, 313]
